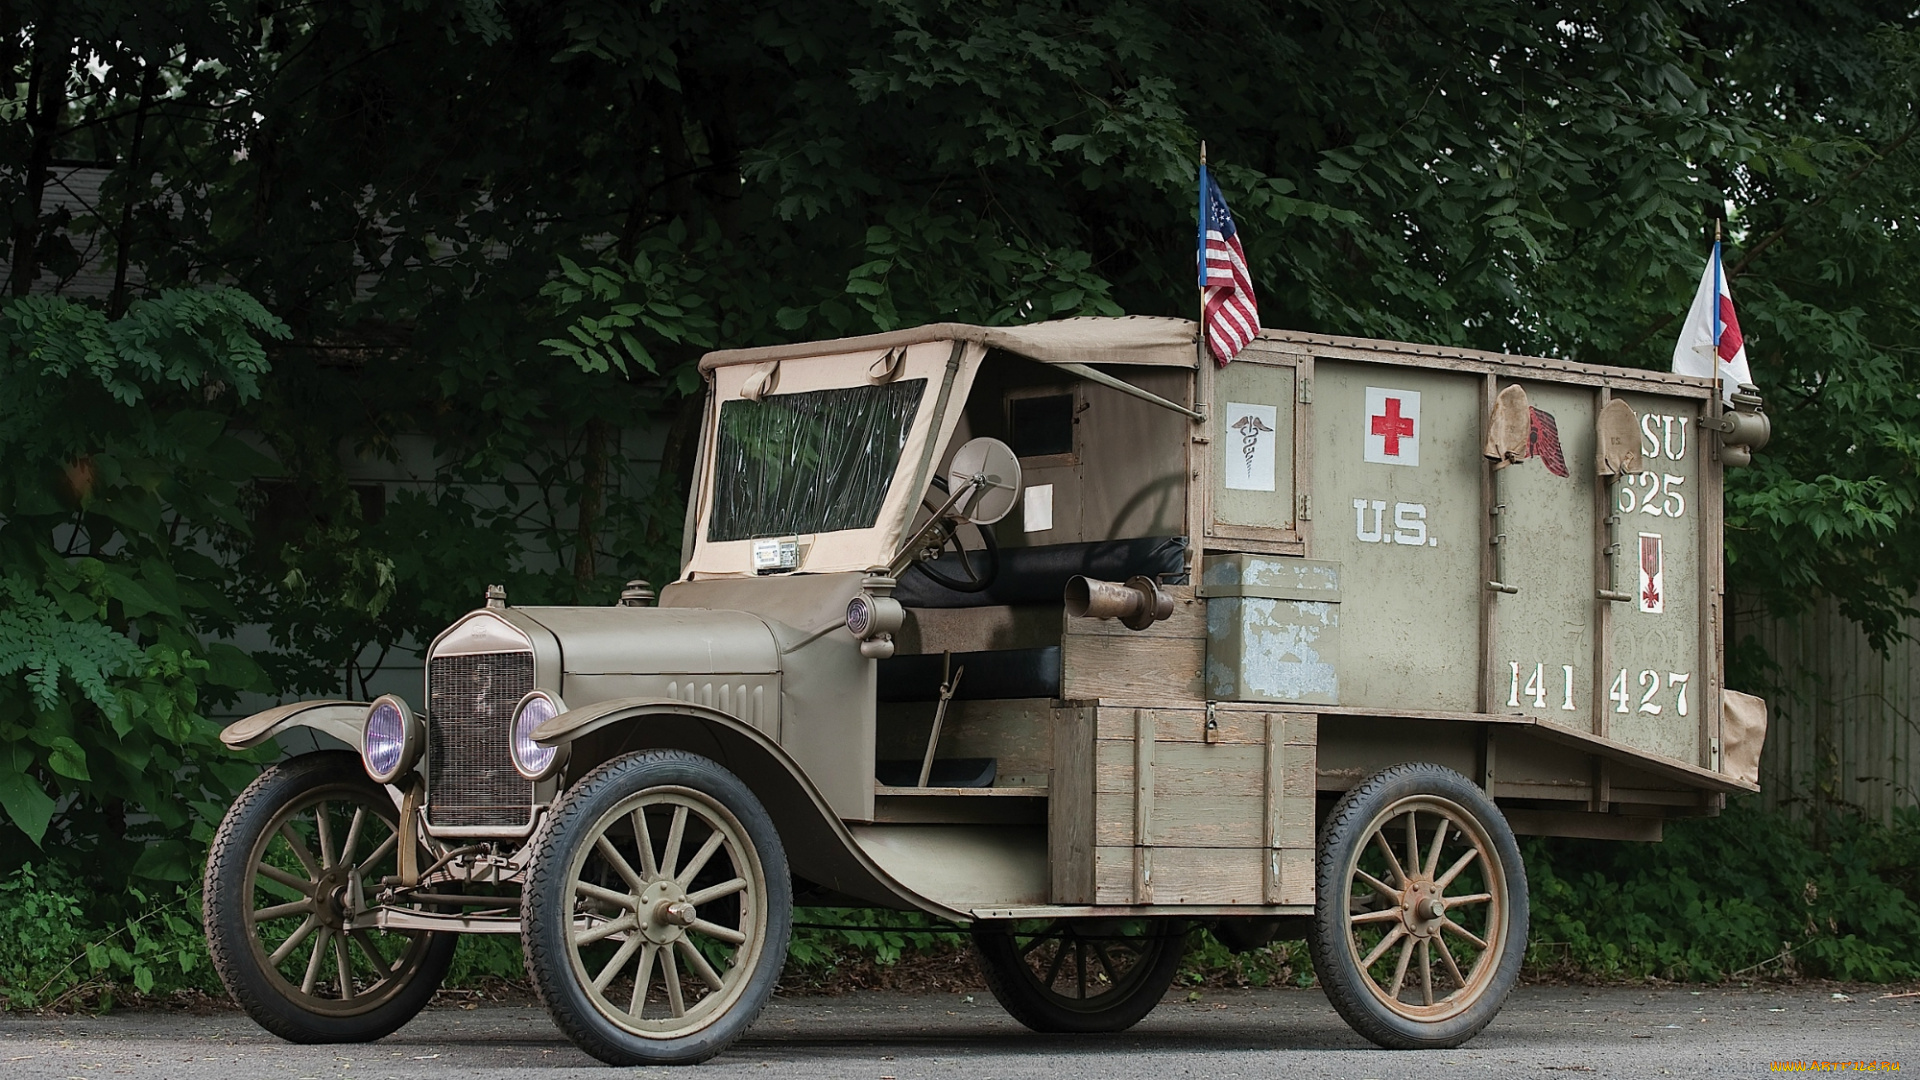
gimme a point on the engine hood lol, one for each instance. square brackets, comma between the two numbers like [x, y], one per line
[657, 641]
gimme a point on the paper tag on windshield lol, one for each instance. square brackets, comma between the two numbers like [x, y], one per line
[772, 556]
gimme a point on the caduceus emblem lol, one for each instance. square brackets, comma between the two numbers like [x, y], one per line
[1250, 428]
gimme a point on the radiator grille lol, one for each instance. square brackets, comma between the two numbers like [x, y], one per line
[470, 702]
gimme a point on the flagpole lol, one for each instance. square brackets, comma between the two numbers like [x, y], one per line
[1714, 358]
[1200, 256]
[1716, 296]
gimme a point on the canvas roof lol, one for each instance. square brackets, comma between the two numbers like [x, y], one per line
[1148, 340]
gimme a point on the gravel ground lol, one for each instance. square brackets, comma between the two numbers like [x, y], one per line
[1544, 1031]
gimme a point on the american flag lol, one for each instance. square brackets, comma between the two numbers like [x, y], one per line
[1226, 289]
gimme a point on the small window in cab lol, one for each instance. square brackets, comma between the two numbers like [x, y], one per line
[1040, 424]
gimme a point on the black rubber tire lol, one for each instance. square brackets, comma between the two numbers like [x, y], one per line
[1349, 987]
[1026, 1000]
[547, 906]
[227, 897]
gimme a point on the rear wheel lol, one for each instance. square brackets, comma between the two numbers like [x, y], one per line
[1421, 924]
[1080, 975]
[293, 862]
[657, 910]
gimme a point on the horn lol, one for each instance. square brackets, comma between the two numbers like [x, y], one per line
[1138, 604]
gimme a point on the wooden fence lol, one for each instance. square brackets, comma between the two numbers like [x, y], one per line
[1844, 721]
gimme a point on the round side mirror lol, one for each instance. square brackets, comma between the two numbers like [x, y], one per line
[992, 470]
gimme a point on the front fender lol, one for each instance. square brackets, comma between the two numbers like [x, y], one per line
[819, 846]
[344, 720]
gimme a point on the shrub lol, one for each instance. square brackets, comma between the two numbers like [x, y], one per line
[58, 948]
[1746, 894]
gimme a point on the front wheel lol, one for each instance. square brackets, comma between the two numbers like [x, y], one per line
[1080, 975]
[291, 866]
[657, 910]
[1421, 924]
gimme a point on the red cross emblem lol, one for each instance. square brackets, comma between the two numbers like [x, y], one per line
[1393, 427]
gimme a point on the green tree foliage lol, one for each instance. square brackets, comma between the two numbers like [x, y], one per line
[498, 234]
[477, 216]
[120, 479]
[1828, 206]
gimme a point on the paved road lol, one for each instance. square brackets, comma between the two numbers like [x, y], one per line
[1544, 1032]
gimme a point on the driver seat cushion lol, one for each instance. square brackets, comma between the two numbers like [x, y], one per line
[1039, 575]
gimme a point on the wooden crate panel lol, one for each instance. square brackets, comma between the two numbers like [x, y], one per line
[1294, 877]
[1225, 818]
[1291, 799]
[1174, 875]
[1101, 658]
[1144, 810]
[1182, 875]
[1211, 819]
[1071, 807]
[1181, 769]
[1141, 668]
[1233, 725]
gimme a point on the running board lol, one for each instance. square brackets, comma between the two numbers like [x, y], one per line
[1134, 911]
[387, 918]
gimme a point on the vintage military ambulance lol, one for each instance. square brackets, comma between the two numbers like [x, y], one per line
[1061, 634]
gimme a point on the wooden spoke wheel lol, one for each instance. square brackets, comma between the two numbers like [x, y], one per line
[1421, 925]
[658, 910]
[294, 861]
[1080, 975]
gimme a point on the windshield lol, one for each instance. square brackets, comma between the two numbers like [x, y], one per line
[813, 462]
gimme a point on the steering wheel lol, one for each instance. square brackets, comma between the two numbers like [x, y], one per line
[979, 576]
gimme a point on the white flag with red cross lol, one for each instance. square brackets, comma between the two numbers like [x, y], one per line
[1710, 343]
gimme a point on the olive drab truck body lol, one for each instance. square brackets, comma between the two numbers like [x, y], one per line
[1061, 634]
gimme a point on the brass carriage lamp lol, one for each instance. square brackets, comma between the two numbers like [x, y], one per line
[874, 616]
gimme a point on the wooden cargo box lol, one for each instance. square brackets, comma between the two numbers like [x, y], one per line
[1199, 806]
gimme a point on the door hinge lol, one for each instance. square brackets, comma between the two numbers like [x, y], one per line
[1213, 724]
[1306, 508]
[1306, 391]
